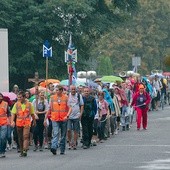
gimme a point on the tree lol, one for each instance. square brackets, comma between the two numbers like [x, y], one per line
[104, 66]
[31, 22]
[145, 34]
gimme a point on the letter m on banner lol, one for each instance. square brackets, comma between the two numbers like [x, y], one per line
[47, 51]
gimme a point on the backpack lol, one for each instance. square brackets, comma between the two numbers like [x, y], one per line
[89, 107]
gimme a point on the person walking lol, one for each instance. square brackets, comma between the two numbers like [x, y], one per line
[89, 112]
[103, 114]
[141, 100]
[60, 111]
[75, 101]
[23, 111]
[4, 121]
[41, 108]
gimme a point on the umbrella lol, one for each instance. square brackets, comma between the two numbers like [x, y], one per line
[66, 83]
[12, 96]
[153, 75]
[111, 79]
[32, 90]
[93, 84]
[43, 84]
[97, 80]
[33, 97]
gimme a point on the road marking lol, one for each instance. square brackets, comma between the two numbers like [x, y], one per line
[164, 118]
[156, 164]
[138, 145]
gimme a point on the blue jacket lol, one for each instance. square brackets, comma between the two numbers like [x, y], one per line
[108, 98]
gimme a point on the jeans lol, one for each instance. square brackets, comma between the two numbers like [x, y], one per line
[57, 126]
[113, 123]
[124, 117]
[3, 138]
[101, 128]
[9, 134]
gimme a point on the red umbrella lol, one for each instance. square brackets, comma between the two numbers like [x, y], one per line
[12, 96]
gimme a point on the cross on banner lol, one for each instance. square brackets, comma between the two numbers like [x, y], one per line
[36, 81]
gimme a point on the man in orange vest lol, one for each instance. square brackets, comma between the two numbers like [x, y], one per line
[4, 120]
[23, 111]
[60, 112]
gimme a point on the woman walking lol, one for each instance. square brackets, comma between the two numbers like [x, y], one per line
[141, 100]
[41, 108]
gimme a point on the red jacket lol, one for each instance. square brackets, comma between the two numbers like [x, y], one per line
[135, 97]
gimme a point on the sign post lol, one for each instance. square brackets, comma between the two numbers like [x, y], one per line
[136, 61]
[47, 52]
[70, 59]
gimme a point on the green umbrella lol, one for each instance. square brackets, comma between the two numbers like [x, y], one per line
[64, 82]
[111, 79]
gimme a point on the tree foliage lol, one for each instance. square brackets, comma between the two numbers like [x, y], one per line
[145, 34]
[104, 66]
[31, 22]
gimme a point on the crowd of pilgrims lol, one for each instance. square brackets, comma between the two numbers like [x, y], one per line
[78, 116]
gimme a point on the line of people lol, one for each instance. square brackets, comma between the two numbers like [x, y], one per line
[92, 114]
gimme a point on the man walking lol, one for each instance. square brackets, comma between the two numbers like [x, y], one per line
[4, 117]
[59, 115]
[75, 101]
[23, 111]
[90, 110]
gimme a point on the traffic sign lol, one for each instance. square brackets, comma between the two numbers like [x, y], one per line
[47, 51]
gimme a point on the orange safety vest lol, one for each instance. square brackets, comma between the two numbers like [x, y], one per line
[59, 108]
[23, 117]
[3, 113]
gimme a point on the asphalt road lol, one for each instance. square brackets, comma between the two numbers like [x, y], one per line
[141, 150]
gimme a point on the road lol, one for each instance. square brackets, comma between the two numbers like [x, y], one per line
[138, 150]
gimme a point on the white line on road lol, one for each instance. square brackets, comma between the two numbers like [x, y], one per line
[138, 145]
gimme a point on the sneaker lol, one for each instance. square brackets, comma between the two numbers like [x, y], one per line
[127, 127]
[138, 128]
[49, 145]
[24, 153]
[2, 155]
[53, 151]
[123, 128]
[35, 148]
[144, 128]
[10, 147]
[85, 147]
[61, 152]
[21, 154]
[45, 146]
[101, 141]
[69, 146]
[74, 147]
[14, 146]
[94, 143]
[18, 150]
[40, 149]
[116, 132]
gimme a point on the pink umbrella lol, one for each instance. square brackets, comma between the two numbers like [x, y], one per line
[11, 95]
[32, 90]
